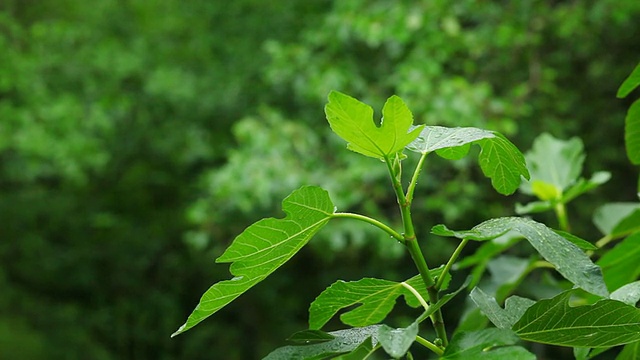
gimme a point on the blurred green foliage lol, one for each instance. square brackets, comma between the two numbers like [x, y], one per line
[138, 138]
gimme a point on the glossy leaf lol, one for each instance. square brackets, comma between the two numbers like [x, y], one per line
[487, 344]
[499, 159]
[396, 342]
[605, 323]
[515, 307]
[630, 83]
[345, 341]
[352, 120]
[608, 217]
[567, 258]
[377, 298]
[554, 162]
[620, 265]
[265, 246]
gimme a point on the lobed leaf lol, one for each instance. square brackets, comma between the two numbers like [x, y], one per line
[263, 247]
[487, 344]
[352, 120]
[567, 258]
[499, 159]
[515, 307]
[345, 341]
[376, 298]
[605, 323]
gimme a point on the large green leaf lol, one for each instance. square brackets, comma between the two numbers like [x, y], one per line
[630, 83]
[568, 259]
[352, 120]
[499, 159]
[344, 341]
[620, 265]
[487, 344]
[265, 246]
[605, 323]
[632, 133]
[514, 307]
[377, 298]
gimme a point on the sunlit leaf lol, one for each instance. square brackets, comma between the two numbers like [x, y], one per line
[515, 306]
[630, 83]
[352, 120]
[396, 342]
[376, 298]
[605, 323]
[620, 265]
[265, 246]
[487, 344]
[499, 159]
[568, 259]
[345, 341]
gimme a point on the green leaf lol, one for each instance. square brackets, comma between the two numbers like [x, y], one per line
[630, 352]
[361, 352]
[344, 341]
[265, 246]
[534, 207]
[499, 159]
[620, 265]
[396, 342]
[579, 242]
[567, 258]
[608, 217]
[556, 163]
[377, 298]
[309, 337]
[628, 294]
[581, 353]
[582, 186]
[629, 83]
[487, 344]
[515, 306]
[352, 120]
[605, 323]
[632, 133]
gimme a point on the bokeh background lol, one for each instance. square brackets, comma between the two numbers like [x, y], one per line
[138, 138]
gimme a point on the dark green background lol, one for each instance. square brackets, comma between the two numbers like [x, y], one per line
[137, 138]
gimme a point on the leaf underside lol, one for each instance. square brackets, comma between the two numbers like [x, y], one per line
[265, 246]
[568, 259]
[499, 159]
[605, 323]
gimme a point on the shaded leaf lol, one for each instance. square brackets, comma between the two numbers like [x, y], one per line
[486, 344]
[567, 258]
[377, 298]
[499, 159]
[352, 120]
[534, 207]
[361, 352]
[620, 265]
[605, 323]
[263, 247]
[515, 306]
[607, 217]
[632, 133]
[582, 186]
[630, 83]
[344, 341]
[630, 352]
[581, 353]
[579, 242]
[396, 342]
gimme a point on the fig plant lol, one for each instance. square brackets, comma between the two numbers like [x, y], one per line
[592, 310]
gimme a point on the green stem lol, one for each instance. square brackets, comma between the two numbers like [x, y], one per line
[414, 178]
[371, 221]
[429, 345]
[411, 242]
[449, 264]
[563, 219]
